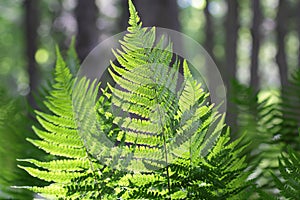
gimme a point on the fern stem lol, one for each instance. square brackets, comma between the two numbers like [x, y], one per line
[165, 144]
[167, 167]
[92, 168]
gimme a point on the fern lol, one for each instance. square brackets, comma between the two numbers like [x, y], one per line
[271, 126]
[259, 117]
[71, 172]
[218, 175]
[289, 166]
[190, 137]
[162, 140]
[289, 107]
[13, 131]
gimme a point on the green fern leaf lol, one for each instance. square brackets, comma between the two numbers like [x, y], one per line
[191, 135]
[169, 143]
[289, 167]
[60, 137]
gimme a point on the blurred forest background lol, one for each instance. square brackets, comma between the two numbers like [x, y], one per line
[254, 42]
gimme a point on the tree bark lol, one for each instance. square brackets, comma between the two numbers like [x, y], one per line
[31, 26]
[86, 13]
[231, 29]
[255, 32]
[281, 31]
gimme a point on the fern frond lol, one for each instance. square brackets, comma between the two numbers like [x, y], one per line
[191, 135]
[60, 165]
[289, 107]
[13, 131]
[289, 182]
[151, 140]
[60, 137]
[48, 191]
[271, 123]
[49, 176]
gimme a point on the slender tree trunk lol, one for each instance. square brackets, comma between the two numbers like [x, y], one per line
[231, 29]
[255, 32]
[86, 13]
[31, 26]
[209, 33]
[281, 30]
[209, 40]
[123, 19]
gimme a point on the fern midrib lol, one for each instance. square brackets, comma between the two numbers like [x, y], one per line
[93, 170]
[164, 141]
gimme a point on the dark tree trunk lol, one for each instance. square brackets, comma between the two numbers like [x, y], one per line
[209, 38]
[31, 26]
[281, 30]
[209, 33]
[160, 13]
[123, 19]
[86, 13]
[255, 32]
[231, 29]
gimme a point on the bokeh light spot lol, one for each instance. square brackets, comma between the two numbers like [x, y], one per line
[41, 56]
[199, 4]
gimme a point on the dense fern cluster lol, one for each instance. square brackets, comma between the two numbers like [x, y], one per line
[272, 122]
[149, 136]
[289, 169]
[13, 130]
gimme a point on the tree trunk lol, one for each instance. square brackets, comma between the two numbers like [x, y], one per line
[86, 13]
[281, 30]
[31, 26]
[124, 16]
[209, 33]
[209, 39]
[160, 13]
[255, 32]
[231, 29]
